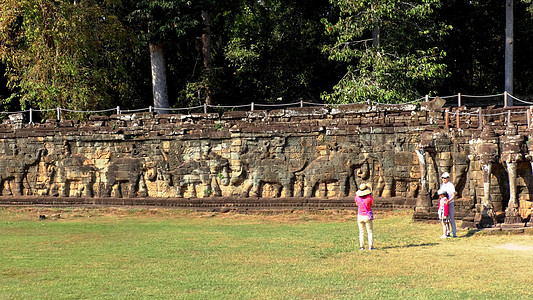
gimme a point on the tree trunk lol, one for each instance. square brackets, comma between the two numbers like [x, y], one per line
[206, 51]
[509, 20]
[159, 78]
[376, 32]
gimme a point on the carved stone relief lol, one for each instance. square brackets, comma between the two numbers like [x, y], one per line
[14, 169]
[327, 158]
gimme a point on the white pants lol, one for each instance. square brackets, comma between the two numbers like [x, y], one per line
[363, 222]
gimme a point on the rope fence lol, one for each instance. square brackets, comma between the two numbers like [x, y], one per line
[480, 116]
[508, 100]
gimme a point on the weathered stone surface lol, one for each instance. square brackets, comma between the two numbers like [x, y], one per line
[433, 105]
[311, 152]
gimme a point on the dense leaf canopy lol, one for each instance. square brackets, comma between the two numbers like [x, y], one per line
[392, 48]
[59, 53]
[93, 54]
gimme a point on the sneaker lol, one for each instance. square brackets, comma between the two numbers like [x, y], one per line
[443, 236]
[454, 236]
[362, 248]
[372, 248]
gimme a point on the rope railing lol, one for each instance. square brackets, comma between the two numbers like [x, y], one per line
[522, 101]
[135, 110]
[252, 106]
[481, 116]
[483, 96]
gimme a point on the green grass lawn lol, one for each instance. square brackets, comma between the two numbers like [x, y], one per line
[176, 254]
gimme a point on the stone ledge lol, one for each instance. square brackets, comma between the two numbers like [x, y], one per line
[380, 204]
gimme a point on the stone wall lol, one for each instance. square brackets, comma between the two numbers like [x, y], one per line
[311, 152]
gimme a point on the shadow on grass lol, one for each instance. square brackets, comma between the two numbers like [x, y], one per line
[470, 233]
[409, 246]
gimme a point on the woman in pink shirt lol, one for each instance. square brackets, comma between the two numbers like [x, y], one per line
[365, 216]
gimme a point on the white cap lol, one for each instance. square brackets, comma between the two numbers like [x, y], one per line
[445, 175]
[441, 192]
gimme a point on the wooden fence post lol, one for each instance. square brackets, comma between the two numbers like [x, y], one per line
[458, 119]
[530, 111]
[505, 99]
[528, 114]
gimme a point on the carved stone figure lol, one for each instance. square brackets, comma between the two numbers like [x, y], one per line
[529, 157]
[423, 202]
[462, 165]
[486, 149]
[511, 154]
[73, 168]
[14, 168]
[278, 172]
[337, 167]
[128, 173]
[266, 164]
[201, 172]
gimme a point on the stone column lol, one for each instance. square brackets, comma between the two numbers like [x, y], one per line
[425, 147]
[529, 156]
[487, 151]
[423, 202]
[511, 144]
[443, 155]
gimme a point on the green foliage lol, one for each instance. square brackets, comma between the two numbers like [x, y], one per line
[93, 54]
[62, 54]
[272, 50]
[160, 20]
[391, 48]
[219, 126]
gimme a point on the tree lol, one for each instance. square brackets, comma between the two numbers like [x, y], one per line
[475, 48]
[391, 48]
[523, 38]
[272, 51]
[160, 21]
[63, 53]
[4, 91]
[509, 28]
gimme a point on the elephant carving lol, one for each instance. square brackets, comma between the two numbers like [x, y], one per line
[201, 172]
[66, 168]
[274, 171]
[337, 167]
[15, 168]
[72, 169]
[127, 172]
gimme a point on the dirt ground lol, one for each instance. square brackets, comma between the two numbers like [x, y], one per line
[47, 213]
[515, 247]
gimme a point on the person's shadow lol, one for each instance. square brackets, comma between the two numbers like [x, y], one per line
[410, 246]
[470, 233]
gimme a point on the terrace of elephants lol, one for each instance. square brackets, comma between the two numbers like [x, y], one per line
[293, 153]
